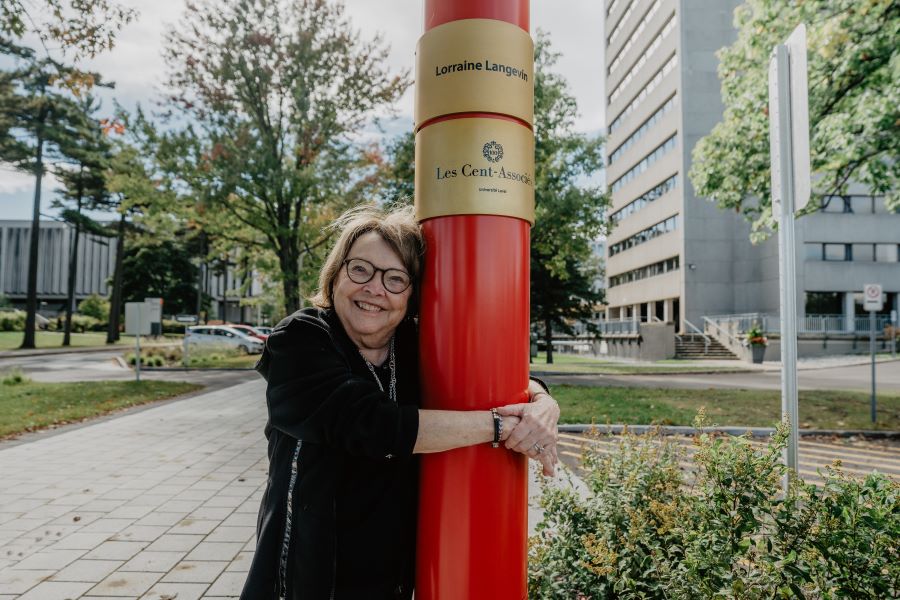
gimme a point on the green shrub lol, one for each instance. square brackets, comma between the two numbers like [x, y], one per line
[12, 321]
[643, 530]
[82, 323]
[172, 326]
[95, 306]
[15, 377]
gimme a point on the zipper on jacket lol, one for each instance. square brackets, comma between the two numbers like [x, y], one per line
[334, 555]
[286, 540]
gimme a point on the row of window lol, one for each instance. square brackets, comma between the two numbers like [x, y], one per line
[634, 36]
[645, 162]
[832, 303]
[644, 128]
[644, 199]
[642, 95]
[611, 7]
[660, 268]
[854, 203]
[642, 59]
[618, 28]
[887, 253]
[654, 231]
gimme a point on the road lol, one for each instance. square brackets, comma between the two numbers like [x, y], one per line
[102, 365]
[856, 377]
[95, 366]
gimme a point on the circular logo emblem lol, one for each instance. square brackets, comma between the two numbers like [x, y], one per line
[492, 151]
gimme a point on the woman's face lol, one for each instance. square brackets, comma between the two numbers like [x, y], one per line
[368, 312]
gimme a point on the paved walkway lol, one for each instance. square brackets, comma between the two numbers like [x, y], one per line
[156, 504]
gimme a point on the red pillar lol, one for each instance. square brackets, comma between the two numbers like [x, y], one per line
[474, 314]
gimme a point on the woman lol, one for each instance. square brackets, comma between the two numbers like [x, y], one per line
[338, 518]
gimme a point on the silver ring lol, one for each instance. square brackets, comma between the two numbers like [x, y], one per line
[538, 448]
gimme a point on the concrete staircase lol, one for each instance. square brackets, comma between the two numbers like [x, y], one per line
[693, 348]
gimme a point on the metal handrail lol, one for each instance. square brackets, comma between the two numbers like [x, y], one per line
[731, 339]
[703, 335]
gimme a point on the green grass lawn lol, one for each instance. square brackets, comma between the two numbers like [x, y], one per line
[820, 409]
[29, 405]
[10, 340]
[573, 363]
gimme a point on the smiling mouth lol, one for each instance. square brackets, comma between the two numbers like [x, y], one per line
[369, 308]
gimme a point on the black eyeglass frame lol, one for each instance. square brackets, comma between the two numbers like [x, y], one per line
[375, 270]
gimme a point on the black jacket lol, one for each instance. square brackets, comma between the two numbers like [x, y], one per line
[338, 518]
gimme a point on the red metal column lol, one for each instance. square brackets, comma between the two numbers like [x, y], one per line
[474, 323]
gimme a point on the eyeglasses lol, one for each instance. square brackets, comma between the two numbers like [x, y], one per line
[362, 271]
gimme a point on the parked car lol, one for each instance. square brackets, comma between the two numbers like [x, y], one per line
[267, 331]
[251, 331]
[223, 336]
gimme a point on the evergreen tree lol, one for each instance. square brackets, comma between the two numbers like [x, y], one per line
[40, 119]
[83, 178]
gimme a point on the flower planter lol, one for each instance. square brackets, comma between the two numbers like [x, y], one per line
[758, 351]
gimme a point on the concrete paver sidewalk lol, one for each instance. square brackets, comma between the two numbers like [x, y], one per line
[156, 504]
[149, 505]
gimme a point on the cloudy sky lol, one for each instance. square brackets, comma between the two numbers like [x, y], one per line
[137, 68]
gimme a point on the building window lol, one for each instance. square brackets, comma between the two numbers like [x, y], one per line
[859, 204]
[837, 252]
[669, 225]
[644, 128]
[645, 163]
[824, 303]
[862, 252]
[642, 59]
[634, 36]
[660, 268]
[813, 251]
[618, 27]
[642, 95]
[644, 199]
[887, 253]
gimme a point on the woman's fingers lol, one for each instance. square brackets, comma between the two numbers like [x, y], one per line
[512, 410]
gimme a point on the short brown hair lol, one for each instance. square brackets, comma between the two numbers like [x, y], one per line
[398, 227]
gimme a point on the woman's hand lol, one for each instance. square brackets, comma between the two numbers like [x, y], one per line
[536, 433]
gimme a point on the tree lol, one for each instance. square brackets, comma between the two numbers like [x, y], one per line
[161, 270]
[40, 119]
[276, 91]
[83, 179]
[87, 28]
[398, 177]
[570, 214]
[854, 104]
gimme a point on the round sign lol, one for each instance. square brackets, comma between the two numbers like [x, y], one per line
[873, 291]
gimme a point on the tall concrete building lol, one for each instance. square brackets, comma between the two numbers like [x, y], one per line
[675, 257]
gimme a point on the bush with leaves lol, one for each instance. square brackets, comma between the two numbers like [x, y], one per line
[12, 321]
[95, 306]
[647, 529]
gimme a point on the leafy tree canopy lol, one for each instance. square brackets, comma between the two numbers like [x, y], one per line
[570, 211]
[854, 104]
[86, 27]
[277, 91]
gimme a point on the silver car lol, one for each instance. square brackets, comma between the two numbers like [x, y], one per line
[223, 336]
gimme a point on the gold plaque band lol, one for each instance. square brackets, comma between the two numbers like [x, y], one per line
[475, 65]
[475, 166]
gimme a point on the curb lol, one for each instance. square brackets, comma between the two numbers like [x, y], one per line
[761, 432]
[83, 350]
[654, 373]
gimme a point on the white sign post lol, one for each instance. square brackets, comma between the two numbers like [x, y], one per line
[137, 323]
[873, 301]
[893, 334]
[789, 148]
